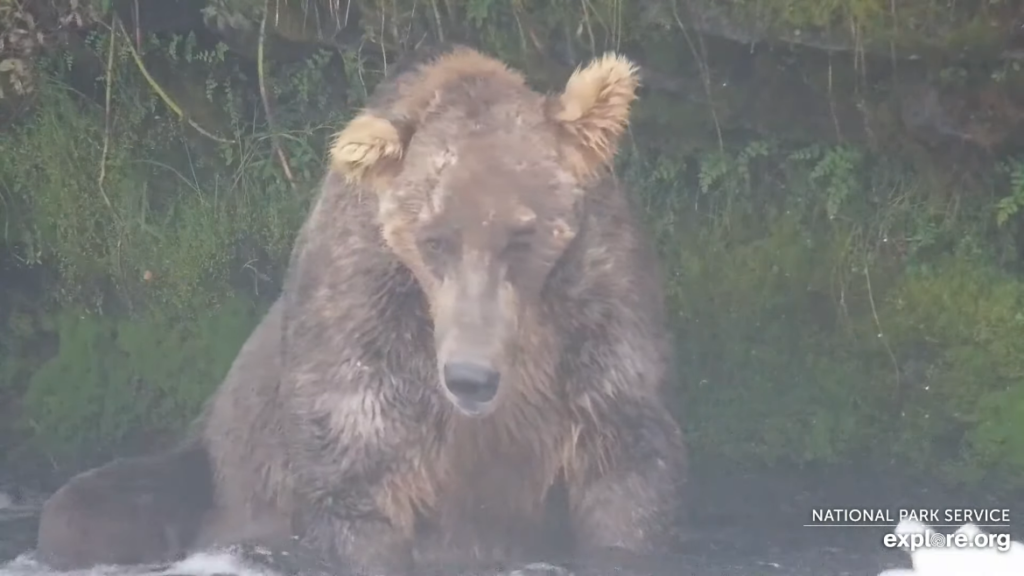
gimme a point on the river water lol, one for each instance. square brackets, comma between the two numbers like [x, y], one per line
[740, 523]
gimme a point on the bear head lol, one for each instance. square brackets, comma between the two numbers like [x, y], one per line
[480, 183]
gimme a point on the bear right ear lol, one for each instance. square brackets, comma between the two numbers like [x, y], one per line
[368, 149]
[593, 112]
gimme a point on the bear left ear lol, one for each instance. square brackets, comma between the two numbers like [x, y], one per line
[368, 149]
[593, 112]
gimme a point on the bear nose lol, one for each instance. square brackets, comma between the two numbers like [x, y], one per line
[471, 382]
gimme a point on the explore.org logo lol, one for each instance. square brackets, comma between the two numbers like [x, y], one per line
[928, 538]
[912, 533]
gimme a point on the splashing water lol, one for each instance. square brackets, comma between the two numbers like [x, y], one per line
[13, 505]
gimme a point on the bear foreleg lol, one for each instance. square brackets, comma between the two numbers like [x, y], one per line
[631, 504]
[368, 545]
[138, 510]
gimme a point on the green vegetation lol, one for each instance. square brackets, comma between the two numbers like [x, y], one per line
[832, 301]
[115, 377]
[831, 306]
[877, 25]
[161, 246]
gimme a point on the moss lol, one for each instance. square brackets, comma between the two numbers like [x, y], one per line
[137, 210]
[968, 312]
[829, 307]
[158, 241]
[113, 379]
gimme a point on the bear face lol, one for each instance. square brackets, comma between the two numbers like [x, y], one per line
[480, 183]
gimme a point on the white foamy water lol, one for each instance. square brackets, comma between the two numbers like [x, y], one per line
[199, 564]
[12, 508]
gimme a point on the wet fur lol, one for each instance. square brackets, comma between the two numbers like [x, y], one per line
[129, 511]
[331, 423]
[377, 451]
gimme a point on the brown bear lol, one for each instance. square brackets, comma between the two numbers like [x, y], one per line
[471, 318]
[130, 511]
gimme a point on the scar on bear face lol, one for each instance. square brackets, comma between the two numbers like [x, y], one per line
[479, 181]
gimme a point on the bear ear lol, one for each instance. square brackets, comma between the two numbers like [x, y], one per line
[593, 112]
[368, 149]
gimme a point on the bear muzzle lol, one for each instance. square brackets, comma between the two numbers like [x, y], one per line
[473, 386]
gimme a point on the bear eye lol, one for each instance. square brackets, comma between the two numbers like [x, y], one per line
[520, 241]
[432, 245]
[435, 244]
